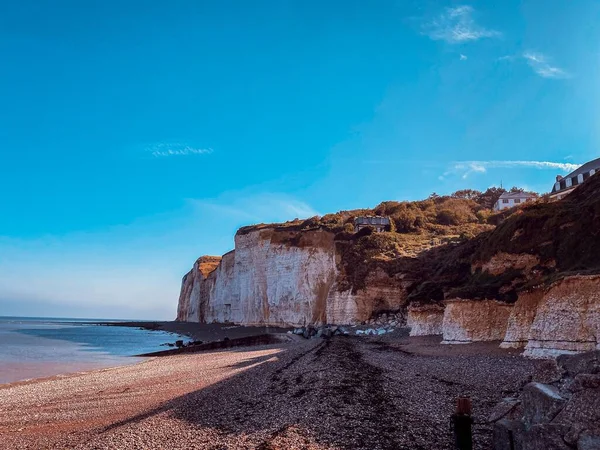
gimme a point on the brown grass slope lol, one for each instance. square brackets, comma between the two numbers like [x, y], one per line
[438, 243]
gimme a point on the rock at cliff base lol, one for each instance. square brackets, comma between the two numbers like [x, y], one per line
[583, 362]
[583, 409]
[588, 442]
[508, 435]
[503, 409]
[541, 403]
[546, 436]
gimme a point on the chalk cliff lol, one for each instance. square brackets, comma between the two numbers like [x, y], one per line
[278, 277]
[531, 282]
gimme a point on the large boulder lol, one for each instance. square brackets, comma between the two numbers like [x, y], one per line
[546, 436]
[582, 409]
[541, 403]
[580, 363]
[588, 442]
[557, 416]
[508, 435]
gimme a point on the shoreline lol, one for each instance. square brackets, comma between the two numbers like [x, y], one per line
[200, 331]
[207, 337]
[76, 374]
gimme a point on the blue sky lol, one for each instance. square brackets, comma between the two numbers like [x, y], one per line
[136, 136]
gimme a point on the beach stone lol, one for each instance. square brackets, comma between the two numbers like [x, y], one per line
[299, 331]
[546, 436]
[583, 381]
[503, 409]
[573, 435]
[583, 409]
[588, 362]
[508, 435]
[179, 343]
[541, 403]
[588, 442]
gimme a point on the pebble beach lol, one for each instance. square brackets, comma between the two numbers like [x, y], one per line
[387, 392]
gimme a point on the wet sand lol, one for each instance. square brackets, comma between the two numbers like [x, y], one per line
[27, 371]
[388, 392]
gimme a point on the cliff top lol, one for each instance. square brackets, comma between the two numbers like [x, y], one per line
[464, 211]
[207, 264]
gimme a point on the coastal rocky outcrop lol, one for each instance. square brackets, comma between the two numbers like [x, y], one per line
[283, 278]
[467, 321]
[561, 413]
[425, 320]
[532, 282]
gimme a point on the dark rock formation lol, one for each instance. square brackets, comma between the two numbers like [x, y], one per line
[561, 415]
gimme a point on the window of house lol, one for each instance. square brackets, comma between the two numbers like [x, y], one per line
[563, 184]
[574, 181]
[517, 200]
[504, 200]
[586, 175]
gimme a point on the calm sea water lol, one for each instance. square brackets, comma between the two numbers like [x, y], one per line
[33, 347]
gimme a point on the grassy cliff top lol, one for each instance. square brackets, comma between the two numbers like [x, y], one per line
[437, 215]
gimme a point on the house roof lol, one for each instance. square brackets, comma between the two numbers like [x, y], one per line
[372, 220]
[506, 195]
[593, 164]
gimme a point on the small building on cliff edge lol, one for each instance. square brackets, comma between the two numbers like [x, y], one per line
[378, 223]
[510, 199]
[565, 185]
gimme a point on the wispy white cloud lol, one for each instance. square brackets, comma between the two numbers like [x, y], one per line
[542, 66]
[467, 168]
[259, 208]
[463, 57]
[506, 58]
[457, 25]
[166, 149]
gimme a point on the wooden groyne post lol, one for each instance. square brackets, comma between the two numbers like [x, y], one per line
[461, 422]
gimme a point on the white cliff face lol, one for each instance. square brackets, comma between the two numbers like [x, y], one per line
[474, 320]
[425, 320]
[270, 282]
[282, 278]
[567, 318]
[521, 318]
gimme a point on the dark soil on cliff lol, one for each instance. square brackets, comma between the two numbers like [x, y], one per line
[563, 235]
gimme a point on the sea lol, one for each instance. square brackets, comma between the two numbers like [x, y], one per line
[35, 347]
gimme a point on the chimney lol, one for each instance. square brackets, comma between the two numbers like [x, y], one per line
[559, 177]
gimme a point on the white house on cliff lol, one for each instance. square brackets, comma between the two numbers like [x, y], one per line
[510, 199]
[565, 185]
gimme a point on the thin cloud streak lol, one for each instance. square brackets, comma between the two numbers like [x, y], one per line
[540, 65]
[260, 208]
[162, 150]
[467, 168]
[457, 25]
